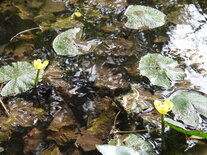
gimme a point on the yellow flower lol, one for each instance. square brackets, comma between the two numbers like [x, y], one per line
[38, 64]
[163, 107]
[77, 14]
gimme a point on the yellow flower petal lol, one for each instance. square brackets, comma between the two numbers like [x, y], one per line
[38, 64]
[77, 14]
[157, 104]
[45, 63]
[163, 107]
[169, 104]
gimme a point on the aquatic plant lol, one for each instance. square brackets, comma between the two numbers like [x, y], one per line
[161, 70]
[39, 65]
[143, 17]
[18, 76]
[70, 43]
[163, 108]
[188, 108]
[82, 91]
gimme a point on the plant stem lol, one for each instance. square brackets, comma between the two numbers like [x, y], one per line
[3, 105]
[36, 83]
[37, 77]
[163, 133]
[135, 131]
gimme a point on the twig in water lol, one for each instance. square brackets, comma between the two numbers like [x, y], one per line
[135, 131]
[115, 118]
[3, 105]
[114, 125]
[34, 28]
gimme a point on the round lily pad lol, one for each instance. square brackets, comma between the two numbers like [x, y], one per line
[20, 76]
[69, 43]
[160, 70]
[187, 106]
[143, 17]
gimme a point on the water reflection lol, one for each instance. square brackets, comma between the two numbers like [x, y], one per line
[188, 39]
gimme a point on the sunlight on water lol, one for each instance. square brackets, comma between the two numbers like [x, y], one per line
[188, 40]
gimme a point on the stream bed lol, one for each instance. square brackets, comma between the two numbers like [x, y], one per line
[102, 97]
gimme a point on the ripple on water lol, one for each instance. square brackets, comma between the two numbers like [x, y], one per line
[188, 39]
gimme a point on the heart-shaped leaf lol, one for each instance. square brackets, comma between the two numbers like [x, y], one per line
[69, 43]
[20, 77]
[187, 106]
[143, 17]
[160, 70]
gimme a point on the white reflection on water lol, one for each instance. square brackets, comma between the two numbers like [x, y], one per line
[188, 40]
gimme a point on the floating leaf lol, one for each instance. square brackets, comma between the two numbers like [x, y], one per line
[135, 142]
[160, 70]
[20, 77]
[69, 43]
[143, 17]
[187, 105]
[181, 128]
[127, 144]
[116, 150]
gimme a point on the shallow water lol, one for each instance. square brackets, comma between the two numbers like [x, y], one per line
[87, 85]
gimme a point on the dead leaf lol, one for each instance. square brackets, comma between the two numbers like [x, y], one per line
[22, 49]
[54, 75]
[161, 39]
[110, 79]
[104, 104]
[52, 150]
[32, 141]
[23, 113]
[88, 142]
[63, 127]
[98, 132]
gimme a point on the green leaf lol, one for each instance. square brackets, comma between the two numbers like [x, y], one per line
[116, 150]
[181, 128]
[20, 77]
[187, 106]
[143, 17]
[69, 43]
[135, 142]
[160, 70]
[1, 149]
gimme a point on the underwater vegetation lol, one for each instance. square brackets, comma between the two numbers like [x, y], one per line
[103, 77]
